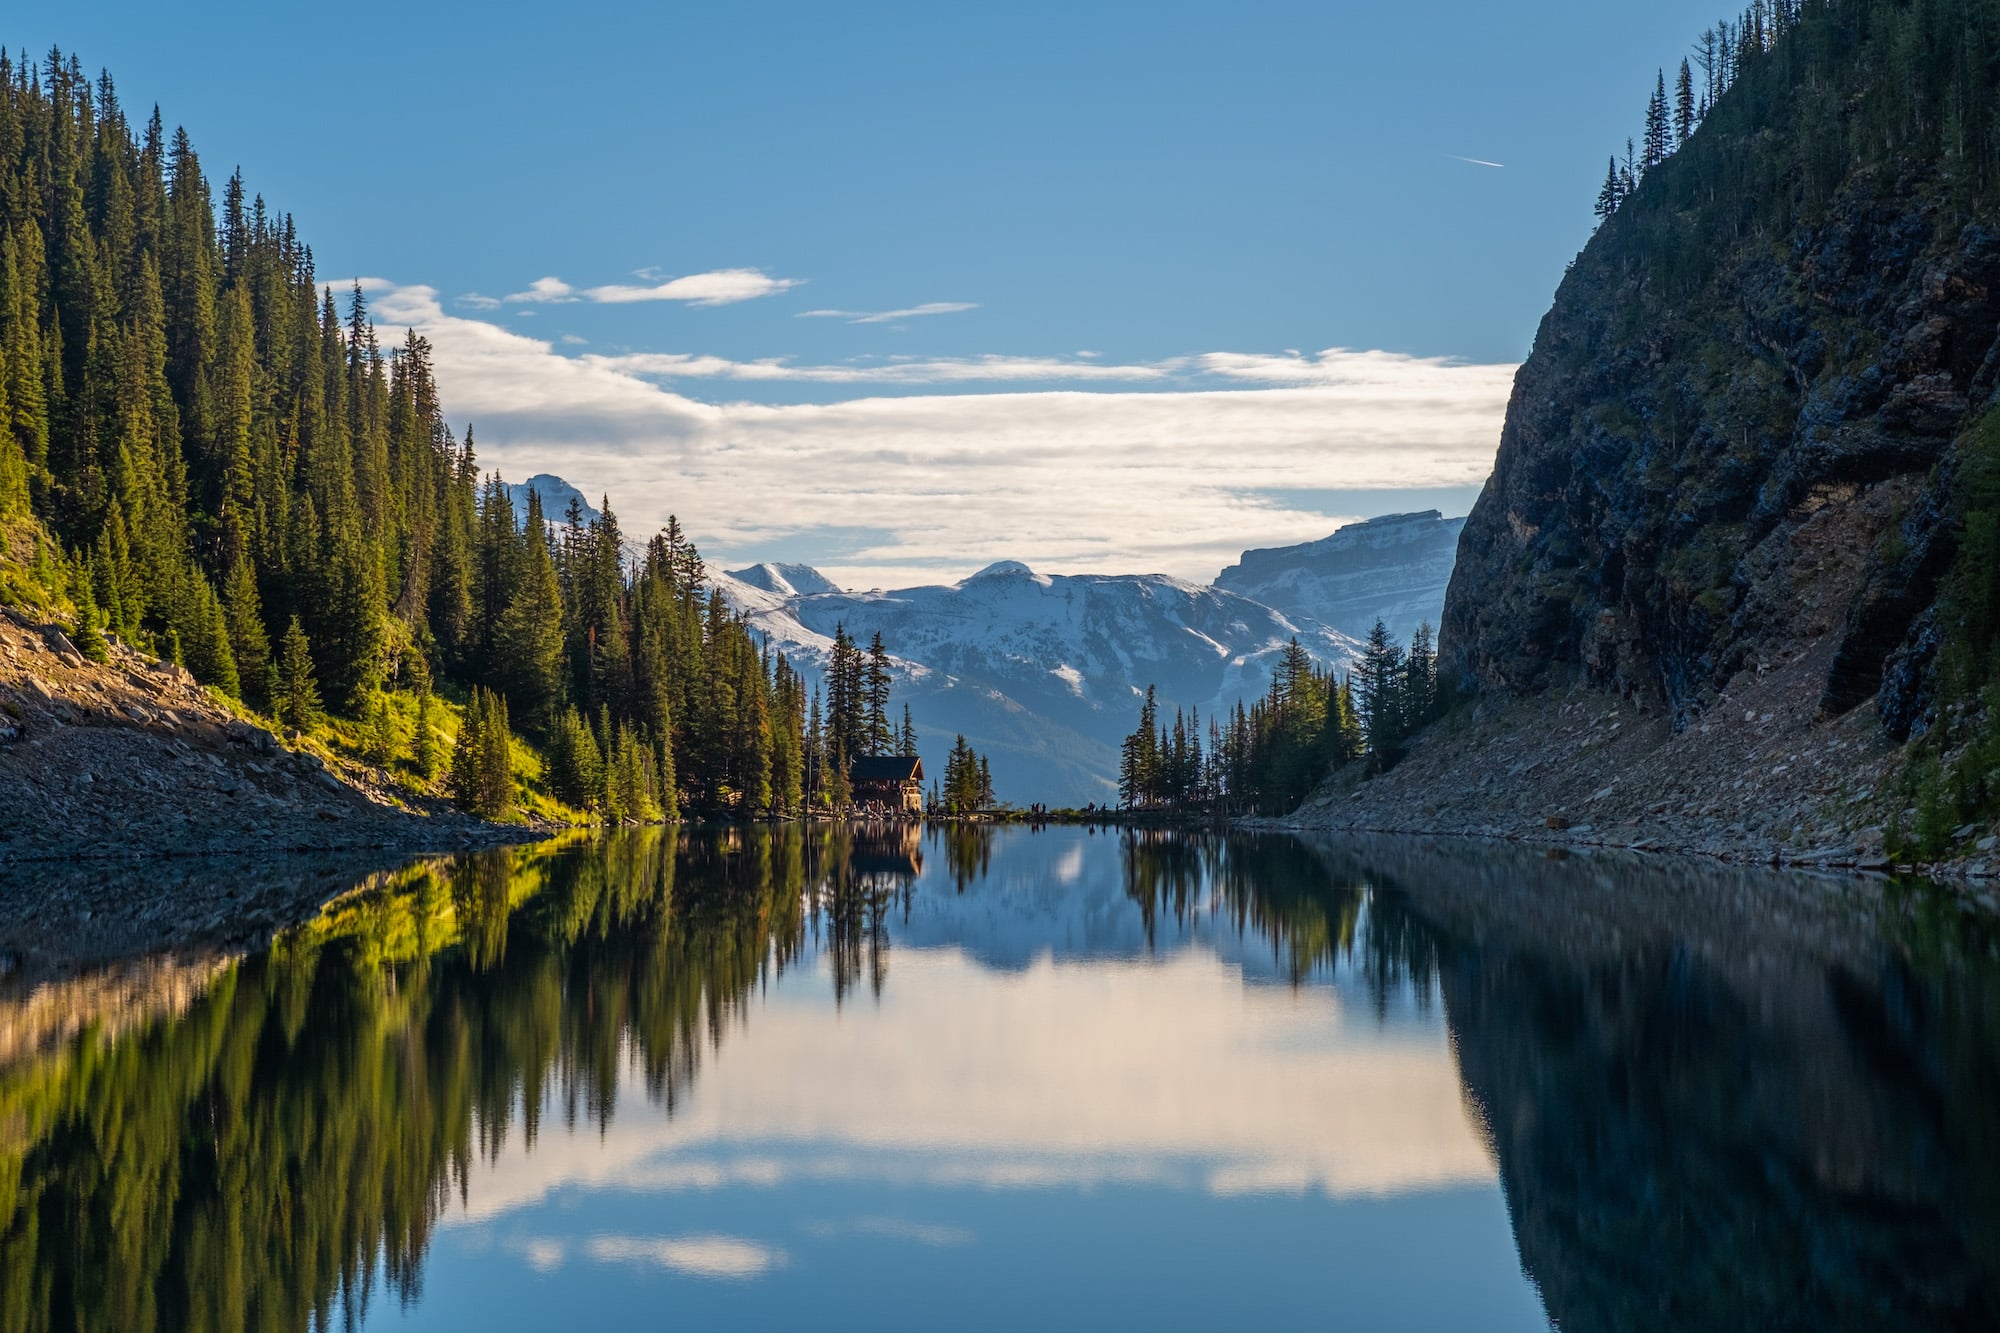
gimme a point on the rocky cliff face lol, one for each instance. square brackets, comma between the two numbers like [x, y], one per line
[1737, 433]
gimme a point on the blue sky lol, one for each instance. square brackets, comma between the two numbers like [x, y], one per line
[1149, 187]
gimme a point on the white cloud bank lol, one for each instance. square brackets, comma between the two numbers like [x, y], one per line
[1172, 466]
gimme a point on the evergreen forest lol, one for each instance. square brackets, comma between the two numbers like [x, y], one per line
[1267, 758]
[207, 454]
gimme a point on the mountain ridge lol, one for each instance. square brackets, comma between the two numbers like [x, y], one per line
[1045, 672]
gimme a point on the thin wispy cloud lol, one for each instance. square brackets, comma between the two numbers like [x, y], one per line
[477, 302]
[890, 316]
[1075, 465]
[722, 287]
[1475, 161]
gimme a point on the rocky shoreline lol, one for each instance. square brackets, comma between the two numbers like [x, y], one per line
[1759, 779]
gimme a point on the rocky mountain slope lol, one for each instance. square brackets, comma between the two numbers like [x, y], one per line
[1394, 567]
[133, 758]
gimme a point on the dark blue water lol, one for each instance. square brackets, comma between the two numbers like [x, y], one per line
[1059, 1079]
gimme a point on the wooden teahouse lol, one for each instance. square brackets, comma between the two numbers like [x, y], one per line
[889, 781]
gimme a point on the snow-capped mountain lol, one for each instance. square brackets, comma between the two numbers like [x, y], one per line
[555, 494]
[1395, 567]
[1042, 672]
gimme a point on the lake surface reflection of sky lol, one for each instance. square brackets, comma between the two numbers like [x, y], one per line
[1075, 1100]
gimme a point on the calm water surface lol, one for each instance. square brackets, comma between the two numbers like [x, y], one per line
[993, 1080]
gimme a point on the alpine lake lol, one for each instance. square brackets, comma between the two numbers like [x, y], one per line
[963, 1077]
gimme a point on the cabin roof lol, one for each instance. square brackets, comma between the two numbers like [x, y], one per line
[886, 768]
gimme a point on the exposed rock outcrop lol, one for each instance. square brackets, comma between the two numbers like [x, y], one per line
[1689, 481]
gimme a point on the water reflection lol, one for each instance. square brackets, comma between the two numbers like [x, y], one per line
[1719, 1098]
[1465, 1086]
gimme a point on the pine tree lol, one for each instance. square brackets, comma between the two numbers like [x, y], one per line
[299, 690]
[378, 732]
[1656, 141]
[468, 753]
[1684, 105]
[424, 751]
[482, 772]
[669, 787]
[1380, 700]
[204, 637]
[1420, 683]
[256, 672]
[1612, 194]
[576, 768]
[528, 640]
[89, 640]
[881, 738]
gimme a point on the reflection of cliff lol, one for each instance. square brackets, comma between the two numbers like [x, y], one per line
[1699, 1128]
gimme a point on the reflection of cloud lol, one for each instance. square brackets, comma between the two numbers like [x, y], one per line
[935, 1235]
[543, 1255]
[1172, 468]
[1259, 1178]
[694, 1256]
[1172, 1073]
